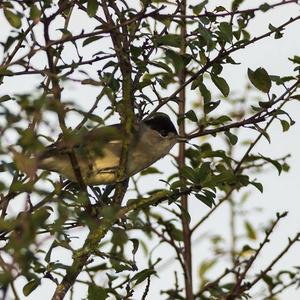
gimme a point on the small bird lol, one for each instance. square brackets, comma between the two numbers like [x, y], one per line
[97, 152]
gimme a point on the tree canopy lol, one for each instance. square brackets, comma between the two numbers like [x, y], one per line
[72, 65]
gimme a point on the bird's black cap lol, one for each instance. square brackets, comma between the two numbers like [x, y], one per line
[161, 123]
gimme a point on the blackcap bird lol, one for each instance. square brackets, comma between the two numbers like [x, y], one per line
[97, 152]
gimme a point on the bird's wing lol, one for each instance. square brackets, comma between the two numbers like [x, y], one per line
[84, 140]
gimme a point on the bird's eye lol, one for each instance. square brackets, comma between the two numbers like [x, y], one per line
[163, 133]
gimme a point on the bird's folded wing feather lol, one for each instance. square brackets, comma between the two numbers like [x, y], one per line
[97, 152]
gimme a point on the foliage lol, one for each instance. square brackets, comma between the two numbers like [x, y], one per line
[139, 57]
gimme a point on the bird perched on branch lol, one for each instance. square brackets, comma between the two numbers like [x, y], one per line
[95, 155]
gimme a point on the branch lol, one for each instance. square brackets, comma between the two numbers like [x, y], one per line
[91, 244]
[250, 120]
[225, 14]
[218, 58]
[138, 17]
[285, 97]
[187, 252]
[291, 242]
[236, 289]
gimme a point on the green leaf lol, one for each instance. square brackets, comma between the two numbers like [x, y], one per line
[185, 214]
[4, 98]
[285, 125]
[161, 65]
[232, 137]
[188, 173]
[264, 7]
[90, 40]
[275, 163]
[258, 185]
[150, 170]
[31, 286]
[206, 37]
[176, 59]
[269, 281]
[119, 236]
[191, 115]
[260, 79]
[220, 120]
[13, 19]
[295, 59]
[297, 97]
[205, 266]
[210, 106]
[35, 13]
[92, 7]
[220, 9]
[221, 84]
[142, 275]
[265, 104]
[235, 4]
[136, 244]
[206, 200]
[226, 30]
[176, 234]
[198, 8]
[204, 92]
[202, 172]
[96, 293]
[263, 132]
[48, 254]
[250, 231]
[173, 40]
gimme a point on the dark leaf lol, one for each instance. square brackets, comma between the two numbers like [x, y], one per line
[150, 170]
[176, 59]
[96, 293]
[142, 275]
[232, 137]
[35, 13]
[198, 8]
[250, 231]
[295, 59]
[202, 172]
[210, 106]
[135, 243]
[268, 280]
[221, 84]
[90, 40]
[173, 40]
[285, 125]
[258, 185]
[206, 200]
[235, 4]
[31, 286]
[188, 173]
[176, 234]
[263, 132]
[226, 31]
[92, 7]
[205, 92]
[191, 115]
[4, 98]
[260, 79]
[275, 163]
[13, 19]
[161, 65]
[264, 7]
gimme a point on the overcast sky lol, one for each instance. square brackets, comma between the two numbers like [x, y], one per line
[280, 193]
